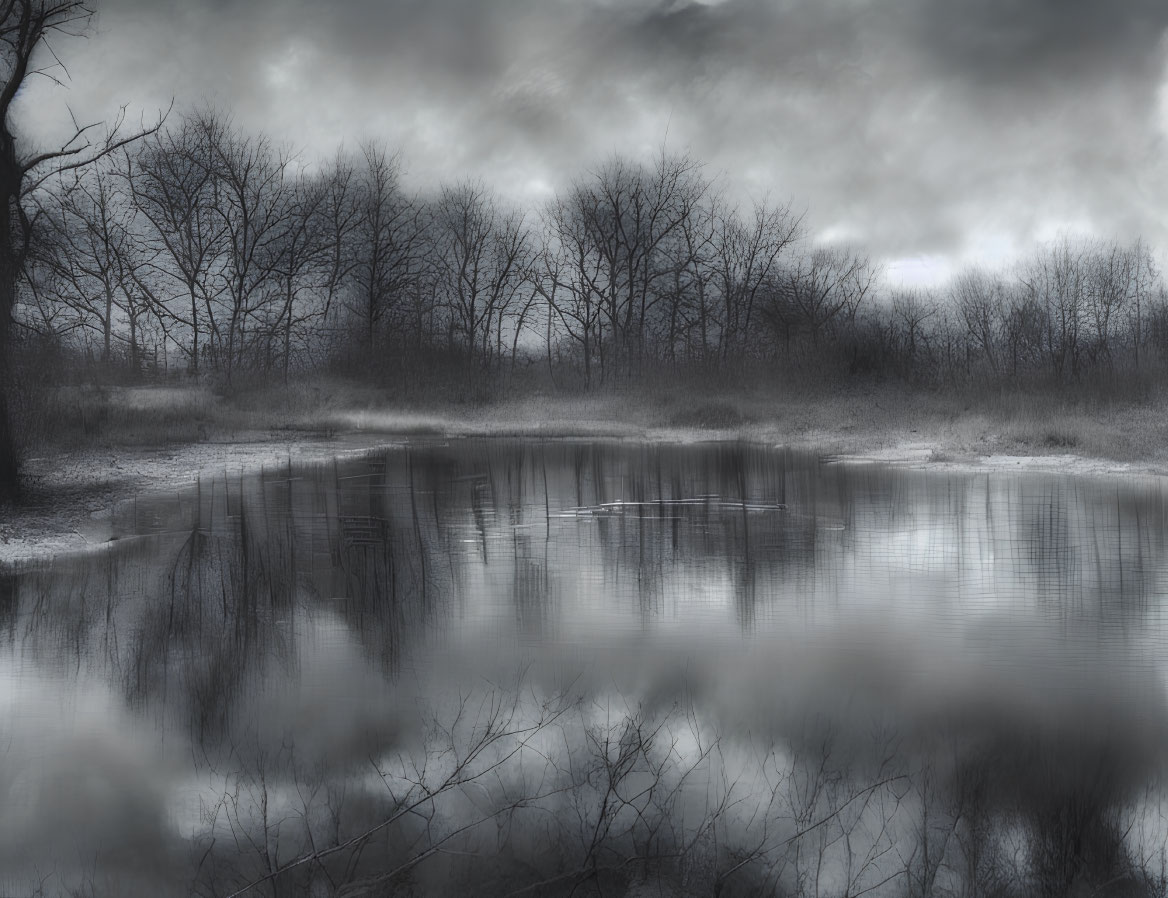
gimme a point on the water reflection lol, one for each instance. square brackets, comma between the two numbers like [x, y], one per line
[339, 669]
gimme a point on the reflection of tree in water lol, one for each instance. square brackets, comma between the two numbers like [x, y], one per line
[9, 604]
[393, 541]
[667, 517]
[1093, 553]
[190, 622]
[210, 624]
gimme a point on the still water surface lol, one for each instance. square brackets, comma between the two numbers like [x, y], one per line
[225, 690]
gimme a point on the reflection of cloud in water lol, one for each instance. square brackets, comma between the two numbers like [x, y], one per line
[329, 700]
[1050, 717]
[287, 634]
[81, 777]
[1009, 674]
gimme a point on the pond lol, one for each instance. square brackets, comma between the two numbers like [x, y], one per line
[558, 667]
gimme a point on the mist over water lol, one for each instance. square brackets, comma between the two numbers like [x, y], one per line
[564, 666]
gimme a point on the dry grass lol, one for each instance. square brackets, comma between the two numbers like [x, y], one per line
[848, 419]
[80, 416]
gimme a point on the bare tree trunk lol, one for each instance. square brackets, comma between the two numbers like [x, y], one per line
[194, 330]
[107, 326]
[9, 457]
[9, 199]
[370, 329]
[135, 366]
[288, 330]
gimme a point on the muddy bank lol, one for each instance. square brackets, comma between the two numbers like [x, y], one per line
[71, 495]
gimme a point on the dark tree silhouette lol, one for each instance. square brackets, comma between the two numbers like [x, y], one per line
[26, 28]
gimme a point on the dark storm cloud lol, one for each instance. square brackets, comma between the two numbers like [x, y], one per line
[913, 126]
[1003, 41]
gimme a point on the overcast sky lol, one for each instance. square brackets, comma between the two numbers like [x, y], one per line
[940, 131]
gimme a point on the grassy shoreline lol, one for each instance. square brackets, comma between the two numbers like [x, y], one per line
[962, 424]
[104, 445]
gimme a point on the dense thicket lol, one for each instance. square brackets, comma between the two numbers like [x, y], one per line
[210, 250]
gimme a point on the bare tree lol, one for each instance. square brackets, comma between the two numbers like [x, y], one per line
[1056, 279]
[253, 207]
[568, 276]
[90, 242]
[1108, 275]
[629, 213]
[175, 188]
[387, 239]
[980, 300]
[910, 311]
[482, 254]
[336, 222]
[26, 26]
[825, 287]
[1025, 329]
[299, 262]
[748, 254]
[691, 318]
[1145, 279]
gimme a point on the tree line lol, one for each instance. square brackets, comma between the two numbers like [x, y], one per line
[207, 248]
[217, 247]
[1073, 309]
